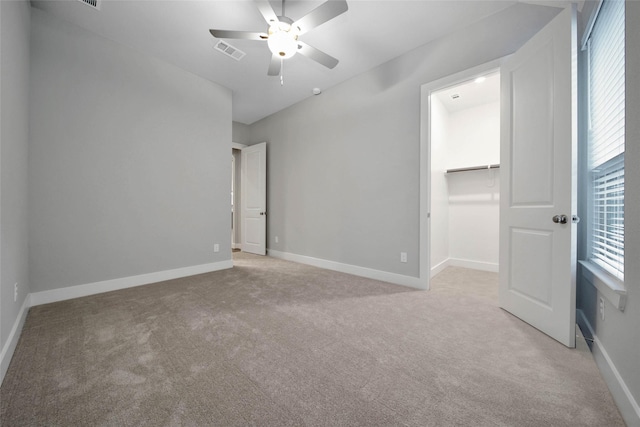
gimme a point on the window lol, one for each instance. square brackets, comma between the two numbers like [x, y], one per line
[606, 142]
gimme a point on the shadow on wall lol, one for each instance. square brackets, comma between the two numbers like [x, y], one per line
[443, 56]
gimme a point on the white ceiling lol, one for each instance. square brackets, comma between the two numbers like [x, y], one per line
[471, 94]
[368, 34]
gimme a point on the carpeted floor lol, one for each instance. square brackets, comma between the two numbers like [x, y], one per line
[274, 343]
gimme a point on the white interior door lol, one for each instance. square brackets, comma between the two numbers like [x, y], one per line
[254, 198]
[538, 164]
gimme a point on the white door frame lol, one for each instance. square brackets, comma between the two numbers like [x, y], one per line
[236, 198]
[425, 155]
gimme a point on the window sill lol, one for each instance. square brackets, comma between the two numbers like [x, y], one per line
[610, 287]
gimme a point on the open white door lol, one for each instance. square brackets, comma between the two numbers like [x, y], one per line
[538, 166]
[254, 198]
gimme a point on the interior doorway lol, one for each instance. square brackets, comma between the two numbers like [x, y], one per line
[465, 174]
[249, 203]
[236, 199]
[234, 222]
[538, 145]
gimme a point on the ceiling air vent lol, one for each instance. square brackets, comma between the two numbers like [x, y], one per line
[93, 3]
[229, 50]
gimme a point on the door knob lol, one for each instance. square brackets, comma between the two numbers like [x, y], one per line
[560, 219]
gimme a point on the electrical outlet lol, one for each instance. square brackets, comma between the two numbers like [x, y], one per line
[403, 257]
[276, 239]
[15, 292]
[216, 248]
[601, 307]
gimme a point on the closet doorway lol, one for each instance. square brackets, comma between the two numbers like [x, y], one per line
[465, 175]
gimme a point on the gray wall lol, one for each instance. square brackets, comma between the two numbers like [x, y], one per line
[14, 86]
[129, 163]
[343, 167]
[241, 133]
[619, 333]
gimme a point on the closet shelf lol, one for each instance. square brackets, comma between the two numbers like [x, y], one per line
[473, 168]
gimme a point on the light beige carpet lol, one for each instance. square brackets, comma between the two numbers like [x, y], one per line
[274, 343]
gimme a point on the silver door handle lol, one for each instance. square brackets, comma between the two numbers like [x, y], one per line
[560, 219]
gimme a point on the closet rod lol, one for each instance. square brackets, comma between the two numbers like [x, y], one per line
[473, 168]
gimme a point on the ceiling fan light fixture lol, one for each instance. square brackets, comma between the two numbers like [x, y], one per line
[282, 43]
[282, 40]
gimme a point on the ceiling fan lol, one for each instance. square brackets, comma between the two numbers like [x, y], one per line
[283, 33]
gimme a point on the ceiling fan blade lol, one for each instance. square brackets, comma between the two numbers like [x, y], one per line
[274, 65]
[266, 10]
[317, 55]
[247, 35]
[323, 13]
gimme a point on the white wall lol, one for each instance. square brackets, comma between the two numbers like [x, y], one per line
[465, 206]
[343, 167]
[440, 138]
[474, 197]
[474, 219]
[474, 136]
[129, 163]
[14, 138]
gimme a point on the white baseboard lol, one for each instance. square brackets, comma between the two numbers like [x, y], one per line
[55, 295]
[61, 294]
[625, 401]
[475, 265]
[236, 246]
[464, 263]
[398, 279]
[439, 267]
[12, 340]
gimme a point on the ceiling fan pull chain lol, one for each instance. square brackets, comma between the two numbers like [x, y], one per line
[281, 72]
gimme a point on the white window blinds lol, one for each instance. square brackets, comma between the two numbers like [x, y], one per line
[606, 46]
[606, 54]
[607, 225]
